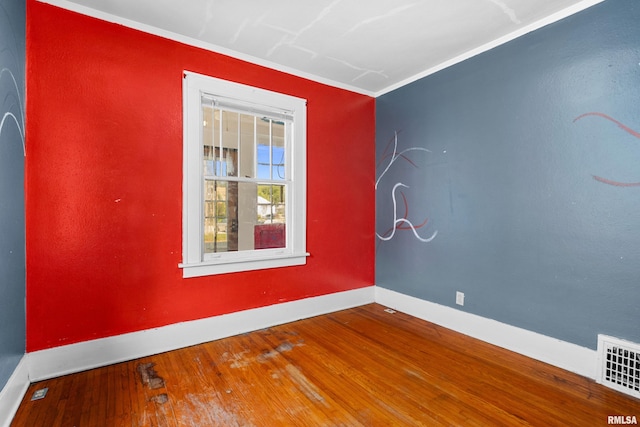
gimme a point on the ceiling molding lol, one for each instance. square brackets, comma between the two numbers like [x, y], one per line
[74, 7]
[585, 4]
[84, 10]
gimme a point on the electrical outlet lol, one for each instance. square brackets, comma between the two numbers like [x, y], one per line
[460, 298]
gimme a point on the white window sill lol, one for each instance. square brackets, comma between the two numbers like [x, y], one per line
[235, 265]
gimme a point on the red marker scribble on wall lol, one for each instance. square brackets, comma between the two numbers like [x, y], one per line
[404, 225]
[624, 128]
[386, 154]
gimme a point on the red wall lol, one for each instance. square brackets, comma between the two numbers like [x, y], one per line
[104, 177]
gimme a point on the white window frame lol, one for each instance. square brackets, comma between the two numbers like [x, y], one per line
[193, 262]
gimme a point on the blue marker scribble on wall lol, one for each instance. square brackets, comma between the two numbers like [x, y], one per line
[12, 210]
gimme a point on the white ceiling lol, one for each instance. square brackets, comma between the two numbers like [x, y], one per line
[369, 46]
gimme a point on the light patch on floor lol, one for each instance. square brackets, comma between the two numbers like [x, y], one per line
[195, 406]
[237, 360]
[282, 348]
[307, 387]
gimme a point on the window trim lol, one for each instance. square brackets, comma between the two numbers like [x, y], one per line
[193, 263]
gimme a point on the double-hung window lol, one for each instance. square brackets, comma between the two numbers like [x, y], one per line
[244, 178]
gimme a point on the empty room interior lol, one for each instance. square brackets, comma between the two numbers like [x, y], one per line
[319, 213]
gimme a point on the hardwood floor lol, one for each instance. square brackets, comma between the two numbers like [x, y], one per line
[358, 367]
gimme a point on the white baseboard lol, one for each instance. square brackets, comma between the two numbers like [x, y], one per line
[54, 362]
[565, 355]
[78, 357]
[13, 392]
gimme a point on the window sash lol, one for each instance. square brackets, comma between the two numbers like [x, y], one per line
[245, 107]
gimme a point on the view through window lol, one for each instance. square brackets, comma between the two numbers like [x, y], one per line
[245, 179]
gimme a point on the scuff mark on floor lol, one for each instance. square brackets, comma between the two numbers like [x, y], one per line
[161, 398]
[282, 348]
[237, 360]
[149, 377]
[412, 373]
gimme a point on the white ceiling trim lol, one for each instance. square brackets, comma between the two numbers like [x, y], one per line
[74, 7]
[84, 10]
[585, 4]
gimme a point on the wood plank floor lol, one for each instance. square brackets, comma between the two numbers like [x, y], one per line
[358, 367]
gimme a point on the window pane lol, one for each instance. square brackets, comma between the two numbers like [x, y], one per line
[264, 162]
[278, 165]
[208, 143]
[221, 190]
[264, 204]
[230, 136]
[279, 205]
[263, 131]
[271, 204]
[247, 159]
[263, 139]
[271, 224]
[277, 150]
[216, 217]
[246, 206]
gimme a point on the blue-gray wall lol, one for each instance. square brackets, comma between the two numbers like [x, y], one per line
[12, 229]
[530, 181]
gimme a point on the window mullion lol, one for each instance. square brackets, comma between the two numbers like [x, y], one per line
[255, 147]
[271, 151]
[219, 159]
[239, 145]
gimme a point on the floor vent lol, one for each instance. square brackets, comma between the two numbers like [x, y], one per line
[619, 365]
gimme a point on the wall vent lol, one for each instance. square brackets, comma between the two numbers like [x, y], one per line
[619, 365]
